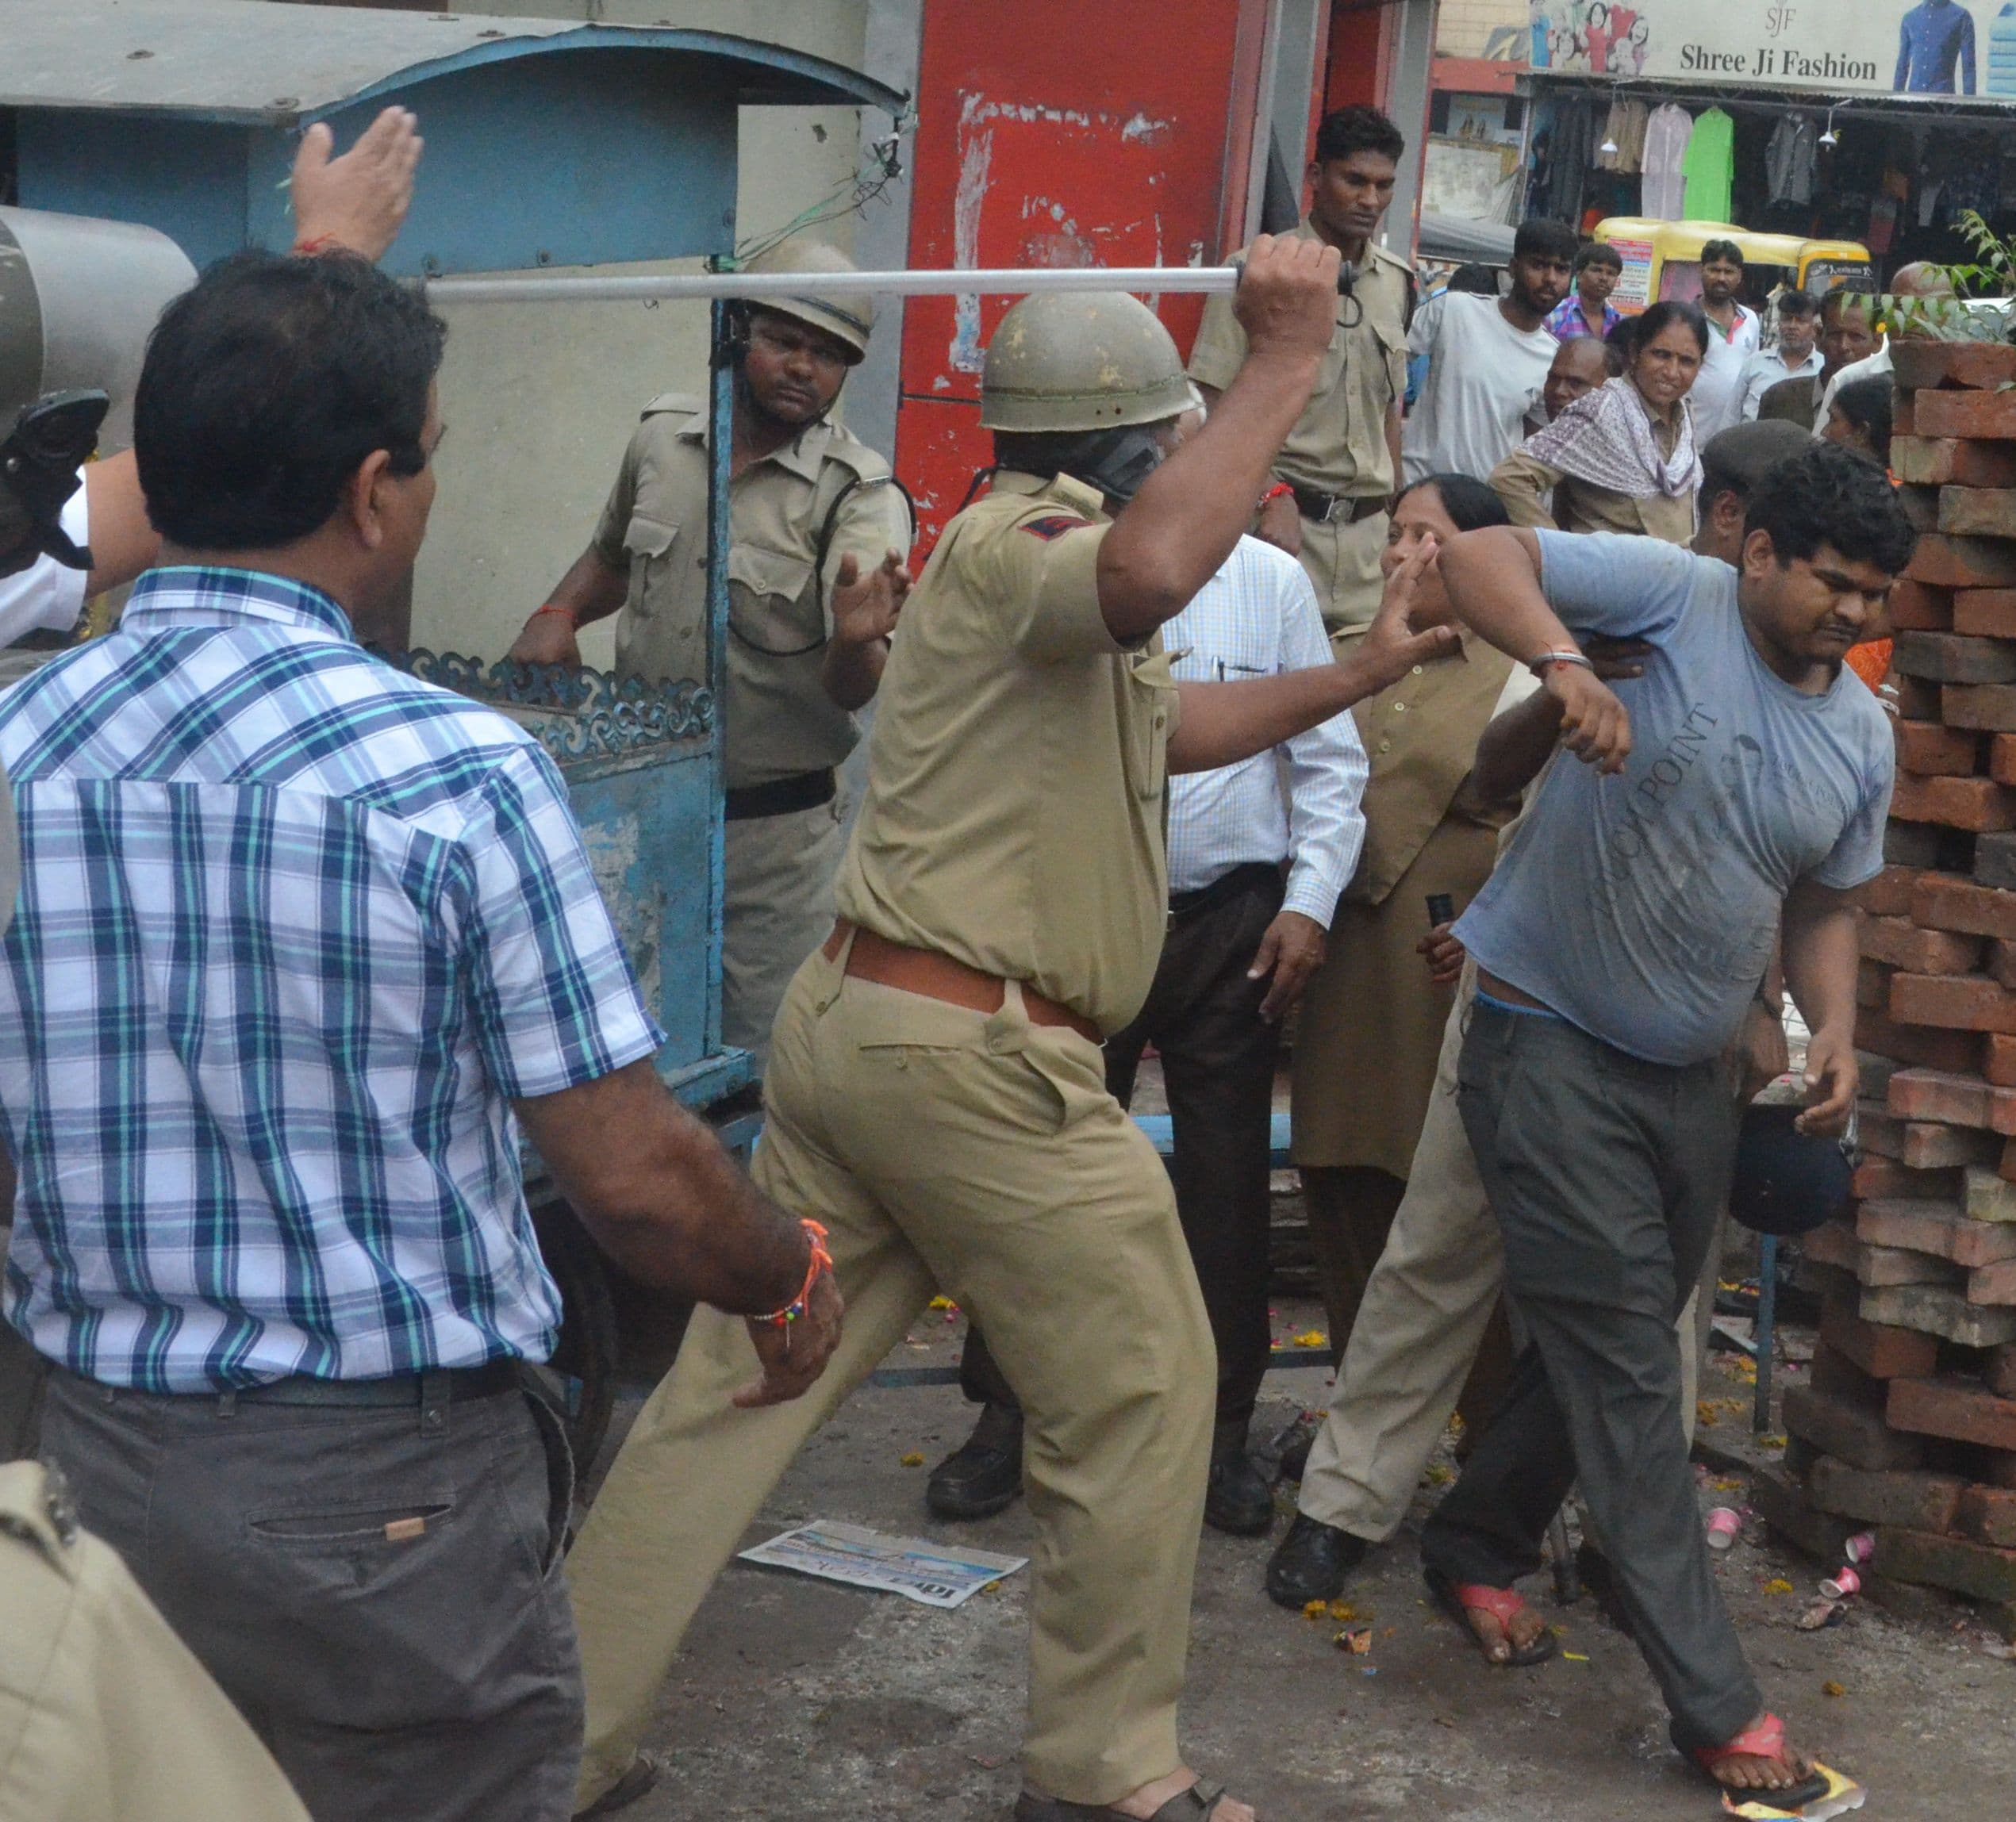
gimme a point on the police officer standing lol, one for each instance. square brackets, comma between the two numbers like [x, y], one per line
[1326, 499]
[818, 529]
[936, 1094]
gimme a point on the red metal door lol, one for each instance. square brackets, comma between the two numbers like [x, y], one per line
[1053, 133]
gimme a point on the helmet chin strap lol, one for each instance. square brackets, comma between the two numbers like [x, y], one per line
[1117, 462]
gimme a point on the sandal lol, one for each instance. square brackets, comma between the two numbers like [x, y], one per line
[1195, 1805]
[1765, 1740]
[1459, 1600]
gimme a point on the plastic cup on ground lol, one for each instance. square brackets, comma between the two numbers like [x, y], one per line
[1724, 1527]
[1844, 1583]
[1861, 1547]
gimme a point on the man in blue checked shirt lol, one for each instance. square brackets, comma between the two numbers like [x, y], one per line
[302, 945]
[1255, 871]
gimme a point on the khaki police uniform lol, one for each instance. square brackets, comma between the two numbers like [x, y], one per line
[1013, 821]
[1336, 457]
[104, 1716]
[825, 491]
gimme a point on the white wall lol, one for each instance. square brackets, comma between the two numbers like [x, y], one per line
[540, 400]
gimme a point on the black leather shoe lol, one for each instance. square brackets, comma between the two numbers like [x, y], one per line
[1292, 1446]
[1239, 1498]
[984, 1475]
[1312, 1562]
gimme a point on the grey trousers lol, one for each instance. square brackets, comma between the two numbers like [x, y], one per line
[385, 1607]
[1606, 1174]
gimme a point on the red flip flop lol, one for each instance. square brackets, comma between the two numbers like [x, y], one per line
[1459, 1599]
[1765, 1740]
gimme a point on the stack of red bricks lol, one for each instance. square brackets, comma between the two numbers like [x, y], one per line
[1909, 1424]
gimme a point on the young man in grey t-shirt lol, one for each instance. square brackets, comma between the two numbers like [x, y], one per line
[1742, 780]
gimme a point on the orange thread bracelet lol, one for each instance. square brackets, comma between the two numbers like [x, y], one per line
[820, 1262]
[321, 244]
[1280, 490]
[555, 608]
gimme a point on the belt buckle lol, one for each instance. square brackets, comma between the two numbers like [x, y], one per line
[1329, 511]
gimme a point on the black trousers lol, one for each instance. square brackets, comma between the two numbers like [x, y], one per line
[1218, 1054]
[383, 1602]
[1607, 1175]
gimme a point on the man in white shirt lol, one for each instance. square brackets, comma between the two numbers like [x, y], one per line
[1735, 333]
[1242, 945]
[1796, 356]
[1921, 280]
[1488, 361]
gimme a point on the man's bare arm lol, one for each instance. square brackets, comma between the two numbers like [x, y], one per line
[591, 590]
[123, 542]
[1493, 580]
[1172, 537]
[359, 200]
[1821, 955]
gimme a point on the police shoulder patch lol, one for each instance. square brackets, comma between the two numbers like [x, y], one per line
[1053, 525]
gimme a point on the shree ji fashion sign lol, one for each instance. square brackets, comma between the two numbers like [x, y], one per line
[1835, 46]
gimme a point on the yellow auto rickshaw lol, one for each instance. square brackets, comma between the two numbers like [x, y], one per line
[1662, 259]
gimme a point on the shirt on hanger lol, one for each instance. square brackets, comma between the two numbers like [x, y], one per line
[1709, 167]
[1666, 136]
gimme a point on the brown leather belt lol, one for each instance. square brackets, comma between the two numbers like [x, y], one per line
[1313, 503]
[936, 976]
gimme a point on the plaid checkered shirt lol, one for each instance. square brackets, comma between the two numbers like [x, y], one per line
[294, 928]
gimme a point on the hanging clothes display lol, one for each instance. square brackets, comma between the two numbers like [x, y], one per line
[1789, 165]
[1709, 167]
[1666, 136]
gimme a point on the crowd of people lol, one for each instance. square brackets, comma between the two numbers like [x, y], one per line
[1509, 742]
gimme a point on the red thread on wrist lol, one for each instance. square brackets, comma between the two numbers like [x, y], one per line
[319, 243]
[556, 607]
[1280, 490]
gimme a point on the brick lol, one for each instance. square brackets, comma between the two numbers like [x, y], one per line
[1953, 657]
[1986, 1196]
[1921, 506]
[1903, 414]
[1920, 608]
[1988, 613]
[1836, 1375]
[1938, 1227]
[1963, 563]
[1964, 1410]
[1962, 1002]
[1999, 1467]
[1994, 863]
[1976, 804]
[1906, 1601]
[1922, 1046]
[1993, 1287]
[1887, 1179]
[1930, 1147]
[2006, 1169]
[2000, 964]
[1897, 942]
[1933, 1310]
[1850, 1432]
[1927, 366]
[1987, 1514]
[1892, 1496]
[1988, 706]
[1998, 1061]
[1874, 1072]
[2000, 1377]
[1872, 985]
[1943, 901]
[1926, 461]
[1833, 1243]
[1882, 1353]
[1911, 845]
[1882, 1133]
[1917, 700]
[1786, 1507]
[1974, 417]
[1889, 893]
[1978, 512]
[2001, 764]
[1978, 1570]
[1930, 751]
[1933, 1094]
[1881, 1266]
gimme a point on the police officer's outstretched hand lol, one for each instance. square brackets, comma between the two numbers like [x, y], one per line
[1287, 298]
[866, 607]
[1392, 647]
[793, 1357]
[547, 638]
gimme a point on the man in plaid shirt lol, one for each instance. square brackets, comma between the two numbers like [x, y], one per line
[302, 945]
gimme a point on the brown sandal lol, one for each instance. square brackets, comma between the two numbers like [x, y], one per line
[1195, 1805]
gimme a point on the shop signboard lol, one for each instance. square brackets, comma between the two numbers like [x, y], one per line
[1837, 47]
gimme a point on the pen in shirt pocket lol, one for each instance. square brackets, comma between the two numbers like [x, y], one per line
[1238, 669]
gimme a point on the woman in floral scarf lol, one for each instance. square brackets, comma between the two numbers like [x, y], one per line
[1622, 457]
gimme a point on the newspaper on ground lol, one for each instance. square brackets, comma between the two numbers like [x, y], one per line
[906, 1565]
